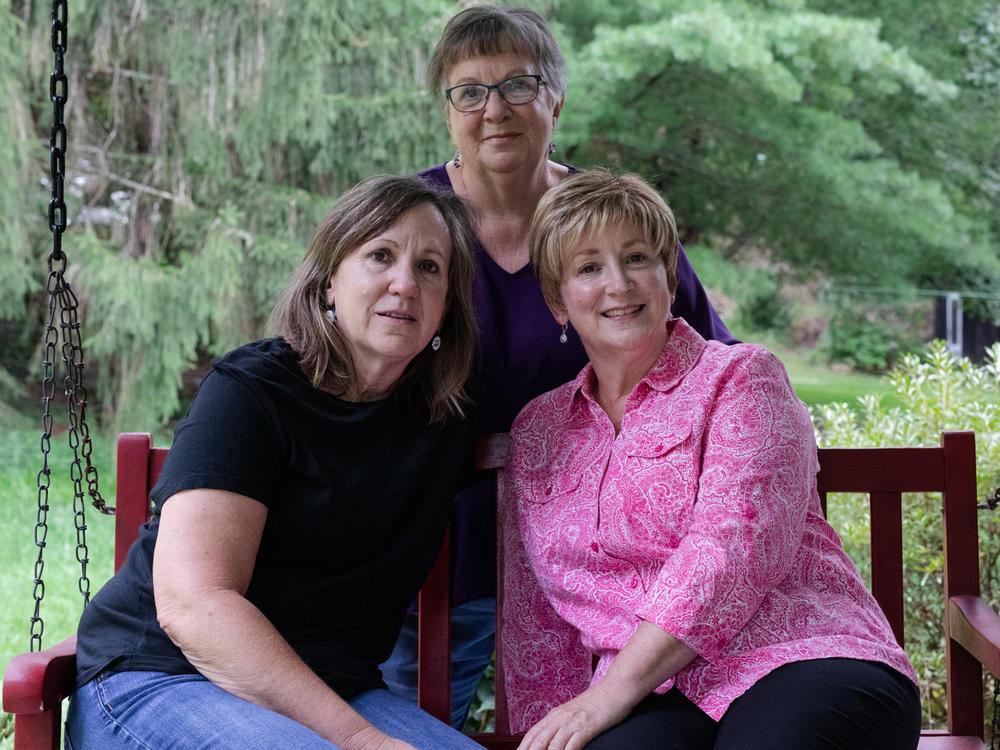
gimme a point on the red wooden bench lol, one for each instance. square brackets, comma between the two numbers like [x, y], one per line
[36, 683]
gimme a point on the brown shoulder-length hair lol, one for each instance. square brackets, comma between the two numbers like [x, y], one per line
[372, 206]
[589, 201]
[488, 30]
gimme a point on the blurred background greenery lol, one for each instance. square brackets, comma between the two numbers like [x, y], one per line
[834, 166]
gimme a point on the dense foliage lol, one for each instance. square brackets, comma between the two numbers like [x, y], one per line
[937, 392]
[208, 137]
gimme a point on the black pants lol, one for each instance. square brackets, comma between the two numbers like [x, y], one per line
[823, 703]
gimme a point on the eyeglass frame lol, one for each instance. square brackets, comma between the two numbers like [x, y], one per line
[495, 86]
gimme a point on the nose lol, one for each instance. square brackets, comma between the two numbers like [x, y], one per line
[403, 282]
[619, 281]
[496, 107]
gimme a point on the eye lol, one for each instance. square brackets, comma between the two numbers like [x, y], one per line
[636, 258]
[429, 266]
[587, 268]
[518, 85]
[469, 93]
[380, 255]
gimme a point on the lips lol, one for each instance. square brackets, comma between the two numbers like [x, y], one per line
[620, 312]
[500, 137]
[396, 315]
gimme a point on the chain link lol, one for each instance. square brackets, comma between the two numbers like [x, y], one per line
[995, 724]
[64, 302]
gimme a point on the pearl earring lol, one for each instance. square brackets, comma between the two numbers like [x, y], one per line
[563, 338]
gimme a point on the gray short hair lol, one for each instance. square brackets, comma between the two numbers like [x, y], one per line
[488, 30]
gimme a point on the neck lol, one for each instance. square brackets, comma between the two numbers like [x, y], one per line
[505, 194]
[504, 206]
[616, 375]
[371, 385]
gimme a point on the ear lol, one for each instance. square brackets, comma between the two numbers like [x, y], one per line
[557, 110]
[558, 312]
[331, 292]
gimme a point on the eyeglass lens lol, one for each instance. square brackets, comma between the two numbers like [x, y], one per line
[472, 96]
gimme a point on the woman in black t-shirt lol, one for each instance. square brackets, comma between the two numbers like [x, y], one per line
[301, 506]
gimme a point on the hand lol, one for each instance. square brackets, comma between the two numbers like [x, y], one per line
[371, 738]
[575, 723]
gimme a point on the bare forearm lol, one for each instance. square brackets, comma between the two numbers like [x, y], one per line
[236, 647]
[650, 657]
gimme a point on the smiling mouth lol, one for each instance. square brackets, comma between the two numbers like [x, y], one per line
[619, 312]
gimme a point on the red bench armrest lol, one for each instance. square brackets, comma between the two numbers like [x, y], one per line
[38, 681]
[976, 628]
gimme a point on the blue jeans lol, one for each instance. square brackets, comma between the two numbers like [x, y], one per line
[157, 711]
[473, 626]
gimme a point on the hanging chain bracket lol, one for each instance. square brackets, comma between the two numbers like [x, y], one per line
[63, 312]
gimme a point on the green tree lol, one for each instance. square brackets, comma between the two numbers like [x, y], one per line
[753, 119]
[207, 139]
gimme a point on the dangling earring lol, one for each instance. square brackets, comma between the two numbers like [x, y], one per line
[552, 147]
[563, 338]
[436, 342]
[330, 315]
[457, 161]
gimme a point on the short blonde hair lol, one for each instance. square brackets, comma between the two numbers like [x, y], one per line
[590, 201]
[435, 378]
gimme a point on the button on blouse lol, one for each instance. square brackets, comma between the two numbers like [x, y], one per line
[701, 517]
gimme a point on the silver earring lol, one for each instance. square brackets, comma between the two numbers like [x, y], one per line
[563, 338]
[331, 315]
[457, 161]
[552, 147]
[436, 342]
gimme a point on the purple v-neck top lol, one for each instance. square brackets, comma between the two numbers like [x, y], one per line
[520, 357]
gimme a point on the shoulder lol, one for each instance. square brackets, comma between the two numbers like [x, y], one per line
[438, 176]
[551, 409]
[743, 361]
[548, 434]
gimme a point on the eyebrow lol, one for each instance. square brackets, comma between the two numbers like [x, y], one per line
[469, 79]
[591, 250]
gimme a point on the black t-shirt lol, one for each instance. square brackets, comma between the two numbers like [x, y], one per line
[358, 497]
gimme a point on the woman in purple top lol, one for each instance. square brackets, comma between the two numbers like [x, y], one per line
[500, 80]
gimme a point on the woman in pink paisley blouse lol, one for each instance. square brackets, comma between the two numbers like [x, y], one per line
[661, 517]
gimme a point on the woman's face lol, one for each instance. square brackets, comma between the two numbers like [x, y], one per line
[615, 294]
[390, 294]
[502, 137]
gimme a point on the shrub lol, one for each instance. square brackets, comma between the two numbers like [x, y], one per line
[871, 335]
[938, 392]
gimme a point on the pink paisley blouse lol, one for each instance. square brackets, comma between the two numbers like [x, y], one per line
[701, 517]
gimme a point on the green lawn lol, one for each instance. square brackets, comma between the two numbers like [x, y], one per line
[818, 384]
[20, 460]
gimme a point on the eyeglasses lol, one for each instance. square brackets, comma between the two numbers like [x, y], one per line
[470, 97]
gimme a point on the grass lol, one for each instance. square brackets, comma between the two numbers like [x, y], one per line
[817, 383]
[20, 460]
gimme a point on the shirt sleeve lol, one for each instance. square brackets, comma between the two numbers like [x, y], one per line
[544, 662]
[758, 465]
[691, 303]
[227, 441]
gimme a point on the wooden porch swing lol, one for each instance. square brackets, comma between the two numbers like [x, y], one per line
[37, 682]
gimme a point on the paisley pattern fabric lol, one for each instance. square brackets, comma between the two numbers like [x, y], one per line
[701, 517]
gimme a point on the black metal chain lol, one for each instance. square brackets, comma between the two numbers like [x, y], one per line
[64, 302]
[991, 503]
[995, 724]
